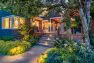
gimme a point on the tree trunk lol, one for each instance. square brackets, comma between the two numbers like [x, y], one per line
[85, 27]
[88, 4]
[85, 17]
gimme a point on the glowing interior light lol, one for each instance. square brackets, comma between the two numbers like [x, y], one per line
[72, 19]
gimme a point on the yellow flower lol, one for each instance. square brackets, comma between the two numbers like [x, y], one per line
[45, 55]
[41, 59]
[16, 50]
[70, 49]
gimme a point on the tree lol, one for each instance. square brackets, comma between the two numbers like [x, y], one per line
[84, 9]
[25, 8]
[85, 16]
[92, 8]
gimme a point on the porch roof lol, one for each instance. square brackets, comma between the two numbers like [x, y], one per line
[56, 19]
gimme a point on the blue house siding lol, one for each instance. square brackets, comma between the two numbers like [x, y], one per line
[3, 14]
[0, 24]
[5, 32]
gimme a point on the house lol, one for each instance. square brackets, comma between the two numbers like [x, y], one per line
[9, 24]
[45, 26]
[54, 25]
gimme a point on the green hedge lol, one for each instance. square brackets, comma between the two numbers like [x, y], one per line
[13, 48]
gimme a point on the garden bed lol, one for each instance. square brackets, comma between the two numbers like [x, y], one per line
[9, 46]
[13, 48]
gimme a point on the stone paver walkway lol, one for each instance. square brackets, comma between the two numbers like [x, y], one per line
[28, 57]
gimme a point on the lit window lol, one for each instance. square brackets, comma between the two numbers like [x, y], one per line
[7, 23]
[12, 23]
[16, 22]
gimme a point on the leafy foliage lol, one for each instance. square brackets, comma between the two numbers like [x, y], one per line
[25, 8]
[6, 38]
[64, 43]
[70, 51]
[34, 40]
[78, 21]
[92, 8]
[84, 56]
[13, 48]
[24, 32]
[54, 56]
[68, 23]
[92, 39]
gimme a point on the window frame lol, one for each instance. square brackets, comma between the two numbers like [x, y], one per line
[3, 27]
[11, 25]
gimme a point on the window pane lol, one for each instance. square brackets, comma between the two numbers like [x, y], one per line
[10, 23]
[16, 22]
[5, 23]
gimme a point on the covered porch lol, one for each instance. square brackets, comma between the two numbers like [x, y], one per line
[46, 26]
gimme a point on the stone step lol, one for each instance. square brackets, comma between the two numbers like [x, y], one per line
[47, 41]
[50, 40]
[48, 36]
[43, 40]
[45, 44]
[43, 37]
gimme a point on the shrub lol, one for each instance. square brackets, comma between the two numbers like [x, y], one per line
[13, 48]
[34, 40]
[24, 31]
[54, 57]
[50, 56]
[83, 56]
[42, 58]
[69, 51]
[67, 44]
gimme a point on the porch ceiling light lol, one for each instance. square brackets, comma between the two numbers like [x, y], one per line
[72, 19]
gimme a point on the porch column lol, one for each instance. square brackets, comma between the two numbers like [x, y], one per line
[50, 25]
[42, 26]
